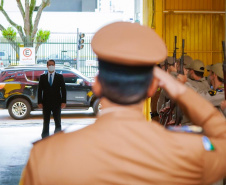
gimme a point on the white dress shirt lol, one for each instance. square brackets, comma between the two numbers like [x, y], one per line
[52, 76]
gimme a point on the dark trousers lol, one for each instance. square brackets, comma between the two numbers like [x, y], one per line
[56, 110]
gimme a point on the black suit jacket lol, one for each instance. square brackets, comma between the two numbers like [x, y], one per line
[51, 95]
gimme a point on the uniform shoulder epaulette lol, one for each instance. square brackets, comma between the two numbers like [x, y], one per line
[188, 129]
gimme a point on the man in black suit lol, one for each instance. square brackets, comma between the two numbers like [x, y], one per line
[51, 97]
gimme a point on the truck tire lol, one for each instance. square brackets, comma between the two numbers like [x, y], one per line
[96, 106]
[19, 108]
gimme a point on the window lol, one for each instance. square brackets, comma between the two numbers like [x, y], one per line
[69, 77]
[34, 75]
[8, 76]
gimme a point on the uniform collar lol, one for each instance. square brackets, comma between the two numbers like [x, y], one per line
[52, 73]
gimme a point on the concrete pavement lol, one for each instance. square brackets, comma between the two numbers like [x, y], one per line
[16, 137]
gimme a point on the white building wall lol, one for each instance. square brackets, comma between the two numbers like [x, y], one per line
[67, 21]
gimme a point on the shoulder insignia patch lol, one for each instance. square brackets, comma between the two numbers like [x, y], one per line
[189, 129]
[220, 90]
[207, 144]
[212, 92]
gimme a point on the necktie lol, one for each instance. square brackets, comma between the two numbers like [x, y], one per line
[50, 80]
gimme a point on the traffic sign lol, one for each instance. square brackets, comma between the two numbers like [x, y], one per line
[27, 56]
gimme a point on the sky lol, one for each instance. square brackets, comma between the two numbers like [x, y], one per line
[69, 21]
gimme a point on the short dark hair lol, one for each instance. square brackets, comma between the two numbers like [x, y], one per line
[124, 84]
[198, 73]
[51, 60]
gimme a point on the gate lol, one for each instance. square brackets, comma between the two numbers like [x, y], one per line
[62, 47]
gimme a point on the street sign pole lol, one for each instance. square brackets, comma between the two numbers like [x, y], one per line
[77, 51]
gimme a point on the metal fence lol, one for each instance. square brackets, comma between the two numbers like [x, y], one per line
[62, 47]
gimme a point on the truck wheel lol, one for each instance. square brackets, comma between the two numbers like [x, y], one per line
[19, 108]
[96, 106]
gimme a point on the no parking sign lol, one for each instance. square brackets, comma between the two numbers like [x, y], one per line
[27, 56]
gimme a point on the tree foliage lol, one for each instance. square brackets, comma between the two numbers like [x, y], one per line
[42, 36]
[29, 32]
[9, 34]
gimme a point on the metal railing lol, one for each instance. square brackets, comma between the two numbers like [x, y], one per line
[60, 47]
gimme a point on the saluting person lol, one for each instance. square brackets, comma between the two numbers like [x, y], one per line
[216, 94]
[121, 147]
